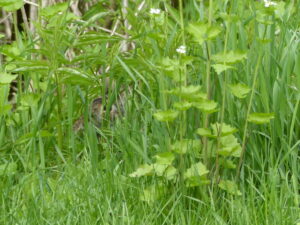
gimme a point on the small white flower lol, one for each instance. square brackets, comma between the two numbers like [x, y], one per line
[155, 11]
[181, 49]
[269, 3]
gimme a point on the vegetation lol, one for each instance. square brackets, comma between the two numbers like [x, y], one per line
[149, 112]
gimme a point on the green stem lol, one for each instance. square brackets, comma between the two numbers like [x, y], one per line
[247, 115]
[208, 85]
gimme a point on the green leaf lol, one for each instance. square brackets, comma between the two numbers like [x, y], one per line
[152, 193]
[220, 68]
[8, 169]
[4, 109]
[182, 106]
[189, 93]
[165, 158]
[11, 5]
[226, 129]
[227, 163]
[143, 170]
[159, 169]
[205, 105]
[185, 146]
[230, 187]
[205, 132]
[229, 57]
[30, 99]
[53, 10]
[170, 173]
[196, 181]
[260, 118]
[6, 78]
[196, 170]
[230, 146]
[239, 90]
[166, 116]
[202, 32]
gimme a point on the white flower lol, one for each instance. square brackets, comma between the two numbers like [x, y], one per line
[269, 3]
[155, 11]
[181, 49]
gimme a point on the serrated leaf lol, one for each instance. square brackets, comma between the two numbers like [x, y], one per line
[152, 193]
[182, 106]
[170, 173]
[227, 163]
[166, 116]
[143, 170]
[226, 129]
[205, 132]
[188, 93]
[230, 146]
[230, 187]
[159, 169]
[196, 170]
[165, 158]
[185, 146]
[260, 118]
[229, 57]
[6, 78]
[239, 90]
[202, 32]
[205, 105]
[196, 181]
[220, 68]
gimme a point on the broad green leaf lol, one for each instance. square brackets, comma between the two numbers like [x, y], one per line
[166, 116]
[165, 158]
[159, 169]
[170, 64]
[11, 5]
[226, 129]
[202, 32]
[196, 181]
[2, 35]
[205, 132]
[220, 68]
[229, 57]
[230, 146]
[182, 106]
[227, 163]
[170, 173]
[260, 118]
[8, 169]
[53, 10]
[196, 170]
[189, 93]
[185, 146]
[6, 78]
[152, 193]
[4, 109]
[30, 99]
[230, 187]
[143, 170]
[205, 105]
[239, 90]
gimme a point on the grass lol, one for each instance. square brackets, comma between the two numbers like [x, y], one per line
[51, 174]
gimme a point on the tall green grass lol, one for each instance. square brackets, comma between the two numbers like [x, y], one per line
[51, 174]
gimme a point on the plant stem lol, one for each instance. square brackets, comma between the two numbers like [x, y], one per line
[247, 115]
[208, 85]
